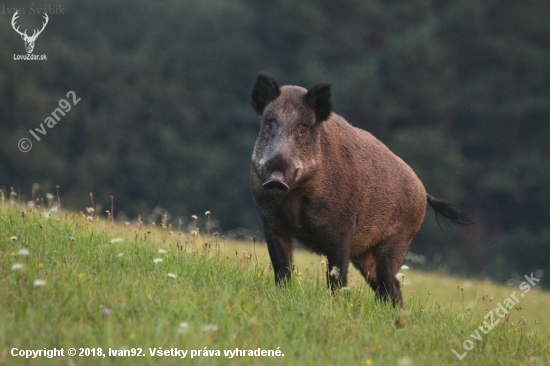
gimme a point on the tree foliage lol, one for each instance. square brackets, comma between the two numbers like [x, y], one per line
[460, 90]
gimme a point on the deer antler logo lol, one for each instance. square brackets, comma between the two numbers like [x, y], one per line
[29, 41]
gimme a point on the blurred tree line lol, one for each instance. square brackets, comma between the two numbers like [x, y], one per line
[459, 90]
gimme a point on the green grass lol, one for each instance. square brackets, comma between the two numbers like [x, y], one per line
[103, 294]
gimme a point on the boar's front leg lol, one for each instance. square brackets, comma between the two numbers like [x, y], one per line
[338, 255]
[280, 252]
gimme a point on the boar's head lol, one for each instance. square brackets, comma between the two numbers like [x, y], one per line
[288, 147]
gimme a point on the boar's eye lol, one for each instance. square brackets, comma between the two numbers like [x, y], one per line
[302, 131]
[269, 124]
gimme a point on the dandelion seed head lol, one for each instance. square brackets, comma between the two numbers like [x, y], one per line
[194, 217]
[207, 213]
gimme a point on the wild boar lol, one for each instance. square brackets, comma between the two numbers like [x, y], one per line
[334, 188]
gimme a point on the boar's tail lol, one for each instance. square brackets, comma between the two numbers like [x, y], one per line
[450, 212]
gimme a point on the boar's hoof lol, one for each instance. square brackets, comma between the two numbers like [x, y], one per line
[276, 188]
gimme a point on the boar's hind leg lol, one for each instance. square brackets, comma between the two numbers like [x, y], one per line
[389, 255]
[366, 264]
[280, 252]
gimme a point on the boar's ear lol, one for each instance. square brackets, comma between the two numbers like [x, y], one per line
[319, 98]
[264, 91]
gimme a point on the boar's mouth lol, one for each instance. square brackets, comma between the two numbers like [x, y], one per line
[275, 185]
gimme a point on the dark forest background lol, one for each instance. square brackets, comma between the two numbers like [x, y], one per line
[459, 89]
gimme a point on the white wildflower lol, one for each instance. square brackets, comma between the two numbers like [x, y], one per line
[404, 361]
[334, 272]
[209, 328]
[23, 251]
[172, 275]
[39, 283]
[404, 267]
[17, 266]
[116, 240]
[183, 327]
[120, 254]
[157, 260]
[161, 251]
[399, 276]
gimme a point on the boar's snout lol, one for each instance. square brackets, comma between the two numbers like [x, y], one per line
[275, 185]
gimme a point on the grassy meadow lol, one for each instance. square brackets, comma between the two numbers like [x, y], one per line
[71, 280]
